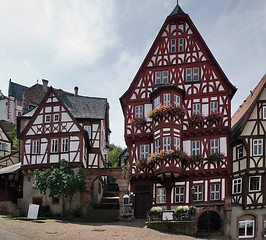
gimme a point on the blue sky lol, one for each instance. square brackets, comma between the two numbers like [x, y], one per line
[99, 45]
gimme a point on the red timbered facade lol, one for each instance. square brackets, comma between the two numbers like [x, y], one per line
[248, 166]
[177, 122]
[63, 127]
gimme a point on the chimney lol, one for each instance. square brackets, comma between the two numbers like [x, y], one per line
[44, 85]
[76, 90]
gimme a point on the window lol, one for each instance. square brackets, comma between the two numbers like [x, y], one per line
[176, 100]
[196, 108]
[2, 146]
[166, 99]
[176, 143]
[144, 151]
[157, 145]
[64, 145]
[254, 183]
[35, 147]
[192, 74]
[257, 147]
[264, 112]
[214, 146]
[179, 194]
[214, 107]
[47, 118]
[198, 196]
[161, 195]
[138, 111]
[158, 77]
[166, 143]
[157, 102]
[54, 147]
[195, 148]
[215, 192]
[88, 129]
[165, 77]
[237, 185]
[239, 153]
[180, 44]
[246, 228]
[173, 45]
[56, 117]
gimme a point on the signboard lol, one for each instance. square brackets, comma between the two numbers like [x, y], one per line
[168, 215]
[33, 211]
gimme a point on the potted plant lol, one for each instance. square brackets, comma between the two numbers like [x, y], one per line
[216, 157]
[214, 117]
[138, 122]
[154, 214]
[197, 119]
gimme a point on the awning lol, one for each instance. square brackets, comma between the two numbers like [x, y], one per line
[10, 169]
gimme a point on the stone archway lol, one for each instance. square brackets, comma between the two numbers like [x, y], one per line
[92, 174]
[209, 220]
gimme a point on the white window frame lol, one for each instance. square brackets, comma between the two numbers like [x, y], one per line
[195, 147]
[166, 99]
[181, 45]
[158, 77]
[264, 112]
[257, 147]
[180, 194]
[144, 151]
[196, 108]
[87, 128]
[176, 143]
[165, 77]
[198, 195]
[214, 145]
[157, 102]
[139, 111]
[47, 118]
[161, 195]
[250, 184]
[176, 100]
[65, 145]
[195, 74]
[215, 192]
[237, 186]
[35, 147]
[157, 145]
[54, 146]
[246, 222]
[214, 107]
[166, 143]
[173, 45]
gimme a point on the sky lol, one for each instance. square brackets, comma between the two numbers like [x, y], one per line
[100, 45]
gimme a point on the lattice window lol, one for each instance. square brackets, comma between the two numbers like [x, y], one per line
[180, 44]
[173, 45]
[176, 143]
[179, 194]
[157, 102]
[237, 185]
[166, 143]
[214, 146]
[166, 99]
[139, 111]
[196, 108]
[246, 227]
[198, 195]
[161, 195]
[176, 100]
[214, 107]
[144, 151]
[195, 148]
[257, 147]
[215, 192]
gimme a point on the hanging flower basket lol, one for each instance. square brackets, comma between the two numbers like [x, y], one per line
[138, 122]
[156, 113]
[216, 157]
[141, 163]
[215, 117]
[197, 118]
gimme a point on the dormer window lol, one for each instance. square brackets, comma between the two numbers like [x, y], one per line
[173, 45]
[157, 102]
[139, 111]
[166, 99]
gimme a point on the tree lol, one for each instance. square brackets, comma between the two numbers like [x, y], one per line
[13, 136]
[62, 181]
[114, 153]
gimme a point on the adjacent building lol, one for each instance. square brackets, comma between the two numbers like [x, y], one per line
[177, 126]
[248, 166]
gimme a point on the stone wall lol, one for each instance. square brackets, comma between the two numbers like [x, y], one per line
[9, 208]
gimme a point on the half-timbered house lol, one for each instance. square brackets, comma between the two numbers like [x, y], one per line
[5, 142]
[63, 127]
[177, 125]
[249, 166]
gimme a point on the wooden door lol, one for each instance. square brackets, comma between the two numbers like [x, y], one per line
[142, 204]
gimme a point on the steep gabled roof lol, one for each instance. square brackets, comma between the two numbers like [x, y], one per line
[16, 90]
[177, 10]
[242, 114]
[6, 130]
[86, 107]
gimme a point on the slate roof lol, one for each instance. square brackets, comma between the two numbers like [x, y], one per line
[86, 107]
[243, 112]
[177, 10]
[16, 90]
[7, 126]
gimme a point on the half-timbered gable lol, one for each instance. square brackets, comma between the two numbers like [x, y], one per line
[248, 159]
[177, 121]
[5, 142]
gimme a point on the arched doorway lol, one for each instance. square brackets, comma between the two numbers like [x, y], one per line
[209, 222]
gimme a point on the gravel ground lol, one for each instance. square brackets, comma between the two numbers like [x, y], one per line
[22, 229]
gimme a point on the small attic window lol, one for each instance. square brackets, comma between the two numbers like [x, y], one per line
[264, 112]
[47, 118]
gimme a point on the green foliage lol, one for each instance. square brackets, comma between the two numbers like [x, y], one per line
[13, 136]
[114, 153]
[62, 181]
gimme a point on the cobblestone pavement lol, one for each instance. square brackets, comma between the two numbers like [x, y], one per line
[22, 229]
